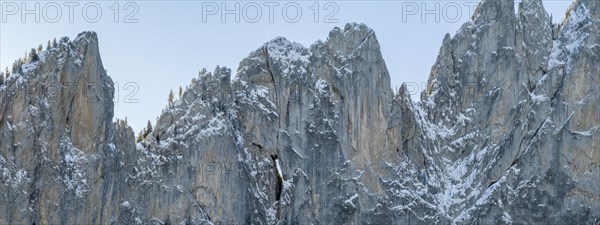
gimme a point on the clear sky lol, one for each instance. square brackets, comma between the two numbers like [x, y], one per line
[151, 47]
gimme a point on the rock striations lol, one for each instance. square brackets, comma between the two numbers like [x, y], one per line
[508, 131]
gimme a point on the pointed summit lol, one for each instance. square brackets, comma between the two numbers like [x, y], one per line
[352, 37]
[491, 11]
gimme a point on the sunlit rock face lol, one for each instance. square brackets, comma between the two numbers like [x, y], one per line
[508, 131]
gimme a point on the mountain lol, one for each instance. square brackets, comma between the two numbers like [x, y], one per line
[508, 131]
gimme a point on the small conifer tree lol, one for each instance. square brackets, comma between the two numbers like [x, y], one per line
[171, 98]
[16, 68]
[148, 129]
[33, 56]
[140, 136]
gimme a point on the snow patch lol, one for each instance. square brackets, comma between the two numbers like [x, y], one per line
[351, 199]
[126, 204]
[572, 37]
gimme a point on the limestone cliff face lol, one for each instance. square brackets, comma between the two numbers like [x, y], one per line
[519, 98]
[507, 132]
[56, 136]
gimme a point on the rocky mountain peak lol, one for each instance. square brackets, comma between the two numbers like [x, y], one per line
[86, 38]
[490, 11]
[351, 38]
[68, 83]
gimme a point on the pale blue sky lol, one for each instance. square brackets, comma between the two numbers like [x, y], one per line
[170, 42]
